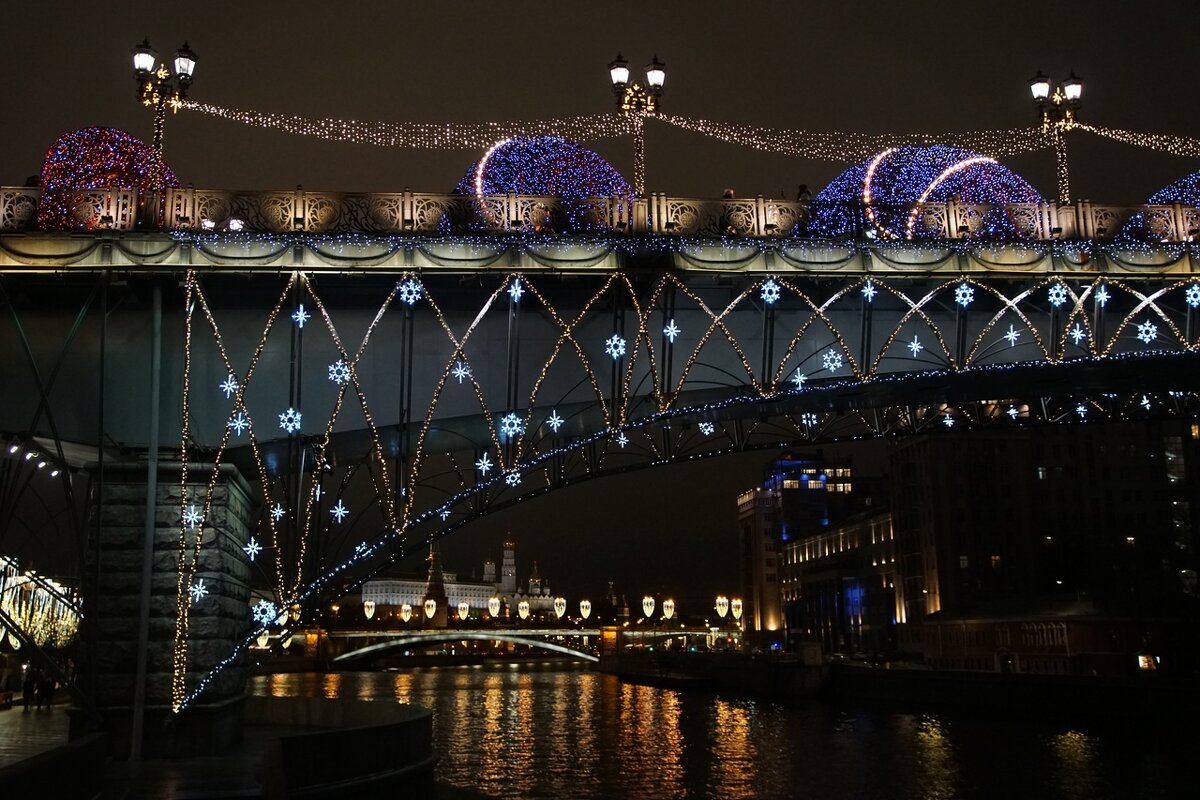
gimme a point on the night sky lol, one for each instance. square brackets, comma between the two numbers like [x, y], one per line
[861, 67]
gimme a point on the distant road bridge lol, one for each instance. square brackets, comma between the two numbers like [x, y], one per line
[370, 644]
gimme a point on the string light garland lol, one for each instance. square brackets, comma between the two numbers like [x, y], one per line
[518, 444]
[1185, 146]
[424, 136]
[852, 146]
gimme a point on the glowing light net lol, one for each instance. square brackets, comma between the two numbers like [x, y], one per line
[93, 158]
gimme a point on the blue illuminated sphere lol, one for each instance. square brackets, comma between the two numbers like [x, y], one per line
[1156, 225]
[907, 175]
[1186, 190]
[543, 166]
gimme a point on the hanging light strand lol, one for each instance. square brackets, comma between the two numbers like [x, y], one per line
[848, 146]
[423, 135]
[1186, 146]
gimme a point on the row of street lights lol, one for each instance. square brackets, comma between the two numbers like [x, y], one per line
[161, 87]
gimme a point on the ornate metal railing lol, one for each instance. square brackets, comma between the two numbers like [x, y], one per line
[445, 214]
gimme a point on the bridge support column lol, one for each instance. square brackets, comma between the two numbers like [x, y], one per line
[216, 623]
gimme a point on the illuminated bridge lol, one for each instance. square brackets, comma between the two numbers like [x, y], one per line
[346, 377]
[359, 646]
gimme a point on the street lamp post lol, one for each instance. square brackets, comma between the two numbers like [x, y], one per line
[1058, 113]
[637, 103]
[160, 86]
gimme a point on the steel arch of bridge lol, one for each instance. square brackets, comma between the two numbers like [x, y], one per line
[633, 394]
[758, 359]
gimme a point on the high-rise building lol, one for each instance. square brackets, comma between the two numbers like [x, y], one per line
[798, 497]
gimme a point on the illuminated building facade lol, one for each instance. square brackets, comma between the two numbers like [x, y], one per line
[798, 497]
[1068, 523]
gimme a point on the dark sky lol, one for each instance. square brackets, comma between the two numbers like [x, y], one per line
[859, 66]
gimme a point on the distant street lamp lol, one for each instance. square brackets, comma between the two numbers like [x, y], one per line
[648, 606]
[560, 607]
[668, 608]
[405, 612]
[464, 608]
[369, 608]
[1058, 113]
[523, 609]
[638, 103]
[159, 87]
[722, 606]
[735, 605]
[430, 608]
[585, 608]
[494, 606]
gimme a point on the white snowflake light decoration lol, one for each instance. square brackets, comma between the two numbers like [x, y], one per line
[671, 331]
[264, 612]
[1145, 402]
[444, 513]
[615, 346]
[515, 290]
[239, 423]
[339, 511]
[339, 372]
[1012, 335]
[808, 419]
[915, 346]
[1102, 296]
[1012, 412]
[707, 428]
[361, 549]
[300, 316]
[198, 591]
[622, 439]
[290, 420]
[1057, 295]
[1081, 410]
[229, 386]
[252, 548]
[770, 291]
[410, 291]
[192, 517]
[511, 425]
[948, 421]
[1192, 295]
[1147, 331]
[964, 293]
[483, 464]
[799, 378]
[554, 421]
[869, 291]
[1078, 334]
[831, 360]
[461, 371]
[277, 512]
[513, 478]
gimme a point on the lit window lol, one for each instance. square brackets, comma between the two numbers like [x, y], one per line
[963, 562]
[1129, 540]
[995, 562]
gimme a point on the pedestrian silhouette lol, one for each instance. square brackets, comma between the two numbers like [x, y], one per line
[29, 687]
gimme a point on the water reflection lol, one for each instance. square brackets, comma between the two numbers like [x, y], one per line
[566, 732]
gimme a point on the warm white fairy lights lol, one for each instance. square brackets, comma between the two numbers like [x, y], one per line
[425, 136]
[514, 455]
[45, 611]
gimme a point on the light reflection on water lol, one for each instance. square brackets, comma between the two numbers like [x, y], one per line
[562, 731]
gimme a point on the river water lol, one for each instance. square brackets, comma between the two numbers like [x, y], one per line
[559, 730]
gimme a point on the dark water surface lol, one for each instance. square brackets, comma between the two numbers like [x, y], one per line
[562, 731]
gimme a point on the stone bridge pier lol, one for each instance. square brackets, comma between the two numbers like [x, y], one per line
[217, 621]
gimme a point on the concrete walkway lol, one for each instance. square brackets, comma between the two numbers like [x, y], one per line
[27, 733]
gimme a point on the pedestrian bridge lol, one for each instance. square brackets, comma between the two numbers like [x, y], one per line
[383, 369]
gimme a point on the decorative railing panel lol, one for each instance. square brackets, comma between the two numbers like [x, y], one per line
[449, 214]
